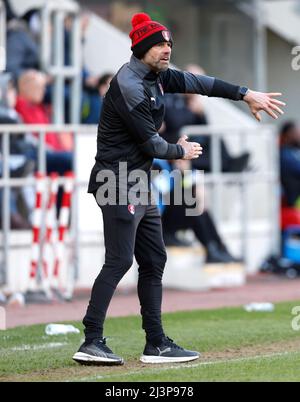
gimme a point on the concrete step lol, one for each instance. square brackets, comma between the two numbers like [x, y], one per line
[186, 270]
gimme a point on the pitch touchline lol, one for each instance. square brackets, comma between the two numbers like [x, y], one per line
[36, 347]
[179, 366]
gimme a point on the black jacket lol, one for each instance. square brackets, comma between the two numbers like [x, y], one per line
[22, 50]
[133, 112]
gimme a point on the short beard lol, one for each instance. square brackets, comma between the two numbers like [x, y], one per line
[161, 69]
[164, 68]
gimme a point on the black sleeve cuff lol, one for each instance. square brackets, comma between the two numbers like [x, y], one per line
[222, 89]
[175, 151]
[157, 147]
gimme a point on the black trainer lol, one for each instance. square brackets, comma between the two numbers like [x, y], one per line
[96, 353]
[167, 352]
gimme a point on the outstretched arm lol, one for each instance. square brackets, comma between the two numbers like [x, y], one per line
[185, 82]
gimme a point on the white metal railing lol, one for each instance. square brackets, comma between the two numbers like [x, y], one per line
[216, 179]
[52, 56]
[6, 183]
[2, 36]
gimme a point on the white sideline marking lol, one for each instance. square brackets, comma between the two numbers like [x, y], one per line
[182, 365]
[36, 347]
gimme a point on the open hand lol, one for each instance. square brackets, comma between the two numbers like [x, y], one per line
[258, 101]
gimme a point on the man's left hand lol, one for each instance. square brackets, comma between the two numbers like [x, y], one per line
[258, 101]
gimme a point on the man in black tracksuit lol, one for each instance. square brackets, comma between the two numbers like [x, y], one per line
[132, 114]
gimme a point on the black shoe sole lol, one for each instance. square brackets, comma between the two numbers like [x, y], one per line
[88, 361]
[93, 363]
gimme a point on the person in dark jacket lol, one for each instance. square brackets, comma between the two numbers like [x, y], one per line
[174, 217]
[93, 99]
[22, 49]
[127, 142]
[290, 162]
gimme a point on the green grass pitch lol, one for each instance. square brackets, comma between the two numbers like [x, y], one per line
[235, 346]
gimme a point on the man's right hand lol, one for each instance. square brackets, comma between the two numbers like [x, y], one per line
[192, 150]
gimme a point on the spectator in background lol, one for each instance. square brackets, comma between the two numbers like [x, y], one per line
[21, 47]
[89, 101]
[174, 218]
[290, 162]
[32, 86]
[17, 220]
[19, 166]
[8, 95]
[8, 114]
[93, 100]
[187, 109]
[29, 105]
[59, 155]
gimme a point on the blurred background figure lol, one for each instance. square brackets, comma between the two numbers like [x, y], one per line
[174, 217]
[93, 99]
[30, 106]
[18, 164]
[32, 87]
[8, 97]
[183, 110]
[90, 102]
[288, 261]
[187, 109]
[290, 162]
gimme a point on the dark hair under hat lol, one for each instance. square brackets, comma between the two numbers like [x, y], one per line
[147, 33]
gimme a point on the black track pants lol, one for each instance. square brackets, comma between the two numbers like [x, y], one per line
[127, 235]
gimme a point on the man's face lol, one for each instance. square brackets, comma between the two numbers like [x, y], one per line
[158, 57]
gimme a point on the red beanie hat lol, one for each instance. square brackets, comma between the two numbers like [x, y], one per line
[147, 33]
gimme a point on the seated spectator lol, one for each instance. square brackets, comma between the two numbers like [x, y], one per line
[174, 218]
[187, 109]
[8, 114]
[59, 155]
[290, 162]
[32, 85]
[8, 95]
[18, 165]
[17, 220]
[93, 100]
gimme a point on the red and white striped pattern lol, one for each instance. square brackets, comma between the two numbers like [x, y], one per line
[36, 229]
[64, 218]
[50, 220]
